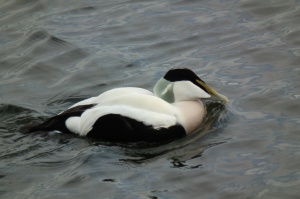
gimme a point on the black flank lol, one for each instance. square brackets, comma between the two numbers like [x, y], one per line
[115, 127]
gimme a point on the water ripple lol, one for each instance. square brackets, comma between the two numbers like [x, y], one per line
[56, 53]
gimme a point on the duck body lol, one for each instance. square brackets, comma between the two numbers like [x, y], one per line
[130, 114]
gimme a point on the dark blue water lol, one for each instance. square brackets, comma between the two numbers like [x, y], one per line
[56, 53]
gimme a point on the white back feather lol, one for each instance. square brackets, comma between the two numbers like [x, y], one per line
[112, 94]
[145, 108]
[82, 125]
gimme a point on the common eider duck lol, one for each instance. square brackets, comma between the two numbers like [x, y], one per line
[130, 114]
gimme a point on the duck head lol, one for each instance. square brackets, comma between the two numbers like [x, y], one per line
[184, 85]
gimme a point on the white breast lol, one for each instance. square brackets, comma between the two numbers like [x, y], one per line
[191, 114]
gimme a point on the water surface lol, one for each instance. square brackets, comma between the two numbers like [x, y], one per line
[56, 53]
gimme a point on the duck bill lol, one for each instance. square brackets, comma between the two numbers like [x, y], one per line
[214, 94]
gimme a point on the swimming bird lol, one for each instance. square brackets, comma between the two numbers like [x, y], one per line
[128, 114]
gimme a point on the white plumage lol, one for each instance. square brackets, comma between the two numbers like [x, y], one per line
[129, 102]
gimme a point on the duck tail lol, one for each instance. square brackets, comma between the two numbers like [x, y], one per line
[36, 128]
[58, 122]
